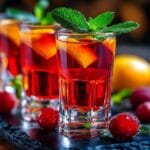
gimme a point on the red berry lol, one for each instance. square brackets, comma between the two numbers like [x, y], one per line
[140, 96]
[7, 102]
[143, 112]
[48, 118]
[124, 126]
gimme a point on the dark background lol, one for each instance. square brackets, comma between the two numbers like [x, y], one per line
[137, 42]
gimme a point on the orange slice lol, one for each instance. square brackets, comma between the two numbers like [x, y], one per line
[110, 43]
[80, 52]
[12, 33]
[41, 42]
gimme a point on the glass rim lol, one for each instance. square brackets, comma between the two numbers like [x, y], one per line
[37, 26]
[9, 21]
[67, 32]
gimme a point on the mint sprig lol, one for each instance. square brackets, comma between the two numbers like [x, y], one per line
[144, 130]
[121, 28]
[71, 19]
[75, 20]
[101, 20]
[39, 16]
[20, 15]
[40, 8]
[119, 96]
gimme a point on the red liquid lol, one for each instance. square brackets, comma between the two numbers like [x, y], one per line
[40, 71]
[85, 85]
[13, 54]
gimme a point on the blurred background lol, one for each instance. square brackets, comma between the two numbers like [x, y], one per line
[137, 10]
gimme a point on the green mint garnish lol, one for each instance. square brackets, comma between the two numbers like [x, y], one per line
[17, 85]
[71, 19]
[87, 125]
[100, 21]
[43, 17]
[144, 130]
[40, 8]
[120, 28]
[20, 15]
[40, 15]
[75, 20]
[119, 96]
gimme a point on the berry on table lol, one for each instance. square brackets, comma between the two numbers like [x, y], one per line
[139, 96]
[143, 112]
[48, 118]
[7, 102]
[124, 126]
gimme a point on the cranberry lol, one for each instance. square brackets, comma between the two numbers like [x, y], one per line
[143, 112]
[7, 102]
[140, 96]
[48, 118]
[124, 126]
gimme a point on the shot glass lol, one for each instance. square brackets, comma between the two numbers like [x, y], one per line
[10, 45]
[39, 69]
[85, 71]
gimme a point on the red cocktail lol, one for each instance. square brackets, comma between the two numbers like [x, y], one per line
[10, 44]
[39, 67]
[85, 76]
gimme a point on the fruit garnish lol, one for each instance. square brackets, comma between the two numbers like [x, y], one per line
[110, 43]
[40, 15]
[139, 96]
[75, 21]
[143, 112]
[80, 52]
[9, 30]
[124, 126]
[8, 102]
[42, 44]
[48, 118]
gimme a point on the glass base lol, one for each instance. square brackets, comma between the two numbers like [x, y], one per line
[83, 124]
[31, 105]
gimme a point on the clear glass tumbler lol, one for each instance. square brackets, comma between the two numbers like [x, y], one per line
[39, 69]
[85, 64]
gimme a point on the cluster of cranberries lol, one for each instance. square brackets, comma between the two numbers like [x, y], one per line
[126, 125]
[140, 100]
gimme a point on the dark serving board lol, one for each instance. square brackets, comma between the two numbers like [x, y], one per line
[25, 135]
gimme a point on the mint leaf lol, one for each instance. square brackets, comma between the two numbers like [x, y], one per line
[144, 130]
[47, 19]
[118, 97]
[121, 28]
[40, 8]
[101, 20]
[21, 15]
[87, 125]
[71, 19]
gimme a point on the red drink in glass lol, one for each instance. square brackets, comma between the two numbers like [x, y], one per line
[39, 67]
[10, 44]
[85, 76]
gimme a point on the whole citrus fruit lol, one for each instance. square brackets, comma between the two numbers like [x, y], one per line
[130, 71]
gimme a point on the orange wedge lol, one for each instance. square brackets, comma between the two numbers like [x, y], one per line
[80, 52]
[41, 42]
[110, 43]
[12, 32]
